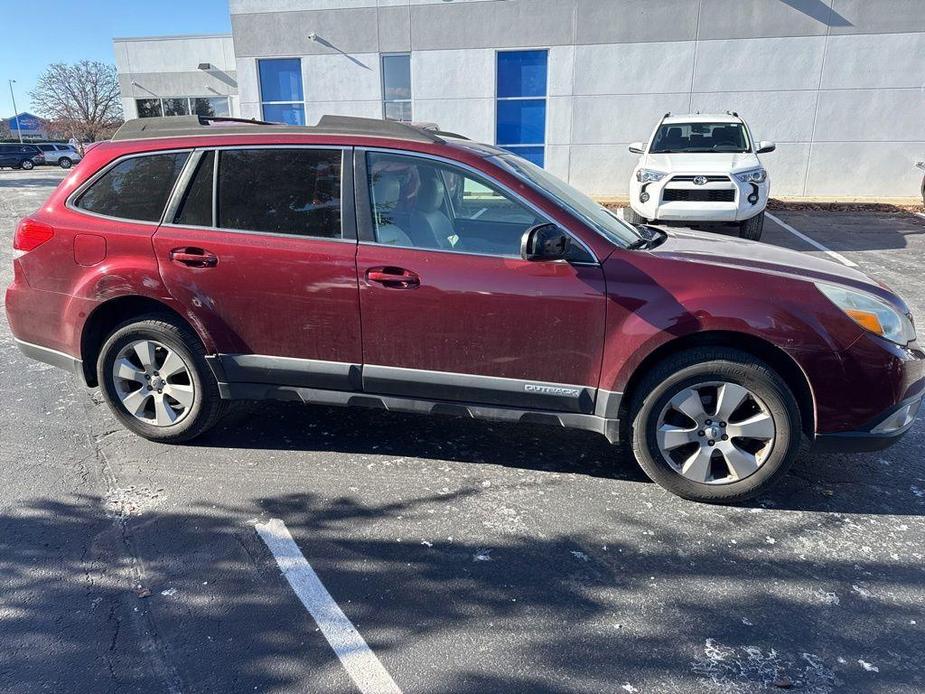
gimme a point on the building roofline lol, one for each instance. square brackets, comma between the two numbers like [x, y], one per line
[174, 37]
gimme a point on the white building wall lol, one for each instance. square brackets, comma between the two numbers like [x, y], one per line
[837, 84]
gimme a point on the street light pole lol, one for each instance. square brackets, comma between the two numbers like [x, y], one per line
[15, 112]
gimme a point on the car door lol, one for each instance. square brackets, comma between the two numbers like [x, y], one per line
[260, 247]
[450, 310]
[51, 156]
[7, 156]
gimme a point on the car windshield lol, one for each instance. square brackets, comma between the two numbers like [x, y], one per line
[599, 217]
[677, 138]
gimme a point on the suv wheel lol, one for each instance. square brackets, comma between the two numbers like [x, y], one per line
[752, 227]
[65, 162]
[632, 217]
[27, 164]
[715, 425]
[155, 379]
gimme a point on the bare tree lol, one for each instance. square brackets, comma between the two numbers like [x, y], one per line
[81, 99]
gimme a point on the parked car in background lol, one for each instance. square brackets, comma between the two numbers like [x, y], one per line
[20, 156]
[921, 165]
[64, 156]
[370, 263]
[700, 168]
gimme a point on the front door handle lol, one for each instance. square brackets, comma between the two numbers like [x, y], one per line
[193, 257]
[393, 277]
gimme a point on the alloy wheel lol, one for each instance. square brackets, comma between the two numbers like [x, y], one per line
[715, 432]
[153, 383]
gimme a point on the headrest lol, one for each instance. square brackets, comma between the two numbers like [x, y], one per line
[386, 191]
[430, 194]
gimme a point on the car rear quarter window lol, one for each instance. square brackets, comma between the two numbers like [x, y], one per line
[280, 191]
[136, 188]
[196, 206]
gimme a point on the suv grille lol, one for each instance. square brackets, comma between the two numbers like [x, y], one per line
[674, 194]
[710, 179]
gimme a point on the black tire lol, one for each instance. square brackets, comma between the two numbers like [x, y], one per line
[752, 227]
[207, 407]
[630, 215]
[685, 369]
[65, 162]
[27, 165]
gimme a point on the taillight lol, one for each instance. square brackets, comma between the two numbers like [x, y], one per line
[31, 234]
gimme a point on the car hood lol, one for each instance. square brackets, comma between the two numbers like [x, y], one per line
[728, 251]
[707, 162]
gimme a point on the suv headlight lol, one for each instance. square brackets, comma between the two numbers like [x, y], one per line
[649, 175]
[871, 313]
[758, 175]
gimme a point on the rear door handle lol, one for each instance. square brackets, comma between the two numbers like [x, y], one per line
[193, 257]
[393, 277]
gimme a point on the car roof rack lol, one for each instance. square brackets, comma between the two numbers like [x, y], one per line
[190, 126]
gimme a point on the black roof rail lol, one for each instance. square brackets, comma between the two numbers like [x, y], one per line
[189, 126]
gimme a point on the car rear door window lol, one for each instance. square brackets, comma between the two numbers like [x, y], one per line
[280, 191]
[196, 207]
[47, 148]
[136, 188]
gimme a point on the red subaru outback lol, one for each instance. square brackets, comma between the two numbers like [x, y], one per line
[190, 262]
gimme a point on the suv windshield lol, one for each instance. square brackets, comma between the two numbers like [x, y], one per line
[673, 138]
[599, 217]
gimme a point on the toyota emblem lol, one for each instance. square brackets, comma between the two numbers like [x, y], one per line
[700, 180]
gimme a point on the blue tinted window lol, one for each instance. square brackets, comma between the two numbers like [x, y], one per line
[521, 73]
[396, 77]
[281, 80]
[521, 106]
[521, 122]
[291, 114]
[532, 154]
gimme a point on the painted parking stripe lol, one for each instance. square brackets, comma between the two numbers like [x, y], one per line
[356, 656]
[838, 256]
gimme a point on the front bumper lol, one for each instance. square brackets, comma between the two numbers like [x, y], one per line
[739, 208]
[881, 433]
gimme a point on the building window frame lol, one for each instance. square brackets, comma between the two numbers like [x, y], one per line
[522, 148]
[298, 104]
[386, 99]
[189, 103]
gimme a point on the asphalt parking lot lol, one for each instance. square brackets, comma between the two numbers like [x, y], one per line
[470, 557]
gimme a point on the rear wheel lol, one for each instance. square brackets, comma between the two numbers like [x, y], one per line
[65, 162]
[630, 215]
[715, 425]
[752, 227]
[155, 379]
[28, 165]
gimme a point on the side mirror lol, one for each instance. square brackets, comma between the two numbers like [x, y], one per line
[637, 148]
[544, 242]
[764, 147]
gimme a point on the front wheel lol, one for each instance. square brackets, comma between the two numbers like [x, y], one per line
[28, 165]
[752, 227]
[65, 163]
[156, 381]
[715, 425]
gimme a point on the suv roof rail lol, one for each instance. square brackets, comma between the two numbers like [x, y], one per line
[187, 126]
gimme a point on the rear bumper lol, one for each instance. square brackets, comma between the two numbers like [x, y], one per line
[53, 357]
[883, 432]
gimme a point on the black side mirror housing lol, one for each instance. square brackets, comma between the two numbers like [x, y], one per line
[544, 242]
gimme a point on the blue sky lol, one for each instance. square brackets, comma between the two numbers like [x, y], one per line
[37, 33]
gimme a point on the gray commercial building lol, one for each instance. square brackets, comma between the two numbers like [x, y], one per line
[839, 85]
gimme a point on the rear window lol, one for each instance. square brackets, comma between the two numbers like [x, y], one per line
[280, 191]
[136, 188]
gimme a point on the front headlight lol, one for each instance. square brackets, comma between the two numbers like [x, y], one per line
[758, 175]
[871, 313]
[649, 175]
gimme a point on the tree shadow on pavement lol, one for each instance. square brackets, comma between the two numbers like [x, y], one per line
[655, 607]
[862, 483]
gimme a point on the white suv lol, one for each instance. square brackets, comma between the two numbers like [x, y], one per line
[700, 168]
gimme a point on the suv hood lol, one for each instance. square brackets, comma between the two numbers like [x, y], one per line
[706, 162]
[692, 246]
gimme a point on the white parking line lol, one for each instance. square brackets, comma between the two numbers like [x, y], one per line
[360, 662]
[838, 256]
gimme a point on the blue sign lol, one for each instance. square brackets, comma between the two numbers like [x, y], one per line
[26, 122]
